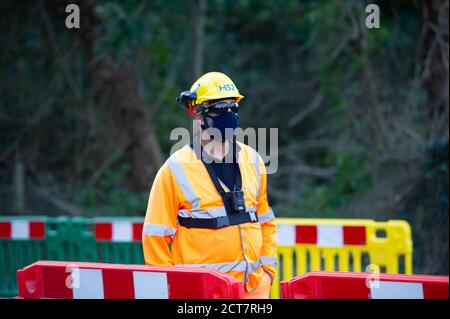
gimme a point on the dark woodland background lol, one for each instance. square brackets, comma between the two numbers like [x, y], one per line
[85, 114]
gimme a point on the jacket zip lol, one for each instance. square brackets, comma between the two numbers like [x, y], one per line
[246, 261]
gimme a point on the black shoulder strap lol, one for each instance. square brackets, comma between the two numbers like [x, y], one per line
[213, 176]
[236, 150]
[238, 178]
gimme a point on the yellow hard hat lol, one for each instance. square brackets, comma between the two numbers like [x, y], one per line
[210, 86]
[213, 86]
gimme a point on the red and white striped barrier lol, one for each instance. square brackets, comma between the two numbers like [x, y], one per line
[118, 231]
[344, 285]
[80, 280]
[325, 235]
[22, 230]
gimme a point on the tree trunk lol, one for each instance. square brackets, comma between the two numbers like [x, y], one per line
[199, 12]
[120, 98]
[132, 117]
[19, 184]
[434, 58]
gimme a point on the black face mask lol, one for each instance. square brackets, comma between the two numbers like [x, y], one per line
[221, 122]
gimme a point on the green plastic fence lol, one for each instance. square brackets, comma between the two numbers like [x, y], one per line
[66, 238]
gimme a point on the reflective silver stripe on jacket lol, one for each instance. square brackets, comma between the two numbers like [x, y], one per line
[203, 214]
[210, 213]
[266, 217]
[228, 266]
[158, 230]
[268, 260]
[256, 162]
[182, 180]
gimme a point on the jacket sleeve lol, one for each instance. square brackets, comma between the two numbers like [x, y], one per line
[269, 229]
[160, 220]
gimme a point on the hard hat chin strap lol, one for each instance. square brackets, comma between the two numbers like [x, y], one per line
[205, 124]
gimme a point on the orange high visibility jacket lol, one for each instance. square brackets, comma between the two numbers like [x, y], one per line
[183, 188]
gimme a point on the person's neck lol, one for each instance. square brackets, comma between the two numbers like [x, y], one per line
[216, 148]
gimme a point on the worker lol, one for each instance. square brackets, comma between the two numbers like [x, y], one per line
[205, 211]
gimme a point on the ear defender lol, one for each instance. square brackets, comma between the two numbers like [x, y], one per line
[187, 100]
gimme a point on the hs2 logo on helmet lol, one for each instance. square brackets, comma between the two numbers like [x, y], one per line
[226, 87]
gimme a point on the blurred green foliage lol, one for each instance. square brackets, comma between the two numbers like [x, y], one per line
[351, 177]
[110, 197]
[428, 205]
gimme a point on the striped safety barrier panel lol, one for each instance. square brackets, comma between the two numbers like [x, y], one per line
[338, 285]
[118, 231]
[321, 235]
[308, 244]
[79, 280]
[304, 244]
[22, 230]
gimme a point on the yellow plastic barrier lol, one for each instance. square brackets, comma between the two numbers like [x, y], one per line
[306, 244]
